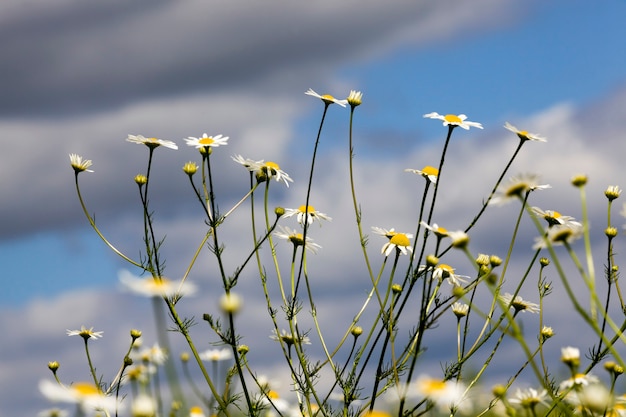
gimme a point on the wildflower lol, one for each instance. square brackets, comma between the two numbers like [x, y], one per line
[216, 355]
[289, 338]
[436, 229]
[578, 380]
[143, 406]
[155, 355]
[546, 332]
[53, 412]
[523, 134]
[530, 397]
[85, 333]
[79, 165]
[207, 141]
[327, 98]
[517, 187]
[579, 180]
[196, 411]
[454, 120]
[554, 217]
[460, 309]
[398, 241]
[87, 395]
[355, 98]
[447, 395]
[151, 142]
[459, 238]
[190, 168]
[444, 271]
[592, 399]
[518, 303]
[559, 235]
[428, 172]
[141, 180]
[612, 192]
[154, 287]
[296, 238]
[376, 413]
[230, 303]
[570, 356]
[307, 214]
[264, 169]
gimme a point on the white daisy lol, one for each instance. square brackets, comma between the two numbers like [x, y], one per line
[560, 234]
[444, 271]
[517, 187]
[206, 140]
[436, 229]
[151, 142]
[216, 355]
[87, 395]
[428, 172]
[399, 241]
[554, 217]
[523, 134]
[446, 395]
[85, 333]
[289, 338]
[518, 303]
[296, 238]
[529, 398]
[154, 287]
[154, 354]
[308, 215]
[355, 98]
[454, 120]
[327, 98]
[79, 165]
[267, 169]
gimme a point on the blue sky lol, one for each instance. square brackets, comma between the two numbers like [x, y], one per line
[82, 88]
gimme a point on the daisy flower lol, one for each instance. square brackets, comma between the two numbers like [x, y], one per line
[307, 215]
[155, 355]
[398, 241]
[196, 411]
[446, 395]
[439, 231]
[529, 398]
[216, 355]
[459, 238]
[555, 218]
[518, 303]
[454, 120]
[444, 271]
[355, 98]
[86, 394]
[261, 168]
[570, 356]
[460, 309]
[612, 192]
[143, 405]
[296, 238]
[206, 140]
[428, 172]
[151, 142]
[578, 380]
[85, 333]
[523, 134]
[154, 287]
[289, 338]
[79, 165]
[53, 412]
[326, 98]
[517, 187]
[559, 235]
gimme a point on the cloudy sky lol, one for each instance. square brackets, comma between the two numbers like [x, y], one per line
[77, 77]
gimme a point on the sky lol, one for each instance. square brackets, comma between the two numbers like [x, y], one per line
[79, 77]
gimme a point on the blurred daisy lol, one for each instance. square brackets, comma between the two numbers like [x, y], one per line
[459, 238]
[446, 395]
[570, 356]
[155, 355]
[355, 98]
[327, 98]
[216, 355]
[518, 303]
[439, 231]
[559, 235]
[154, 287]
[143, 406]
[384, 232]
[79, 164]
[428, 172]
[530, 398]
[399, 241]
[196, 411]
[53, 412]
[523, 134]
[444, 271]
[308, 215]
[268, 169]
[454, 120]
[612, 192]
[460, 309]
[85, 333]
[206, 140]
[87, 395]
[289, 338]
[517, 187]
[296, 238]
[151, 142]
[554, 218]
[578, 380]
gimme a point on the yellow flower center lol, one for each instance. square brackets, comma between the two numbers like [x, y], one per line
[433, 387]
[441, 231]
[297, 239]
[273, 394]
[400, 239]
[556, 215]
[517, 189]
[85, 388]
[271, 168]
[206, 141]
[446, 270]
[428, 170]
[453, 118]
[523, 133]
[303, 209]
[328, 98]
[195, 409]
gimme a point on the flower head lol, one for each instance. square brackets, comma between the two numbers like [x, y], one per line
[151, 142]
[570, 356]
[612, 192]
[454, 120]
[523, 134]
[207, 141]
[154, 287]
[264, 170]
[578, 380]
[289, 338]
[85, 333]
[459, 238]
[355, 98]
[398, 241]
[87, 395]
[559, 235]
[444, 271]
[196, 411]
[154, 355]
[439, 231]
[230, 302]
[428, 172]
[327, 98]
[460, 309]
[554, 218]
[306, 214]
[517, 187]
[79, 165]
[296, 238]
[216, 355]
[446, 395]
[529, 398]
[518, 303]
